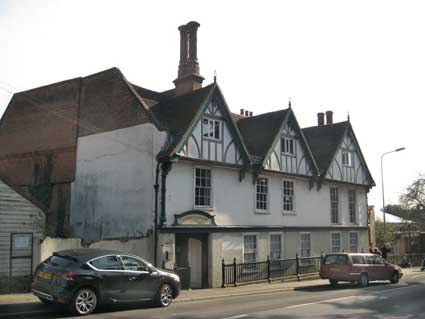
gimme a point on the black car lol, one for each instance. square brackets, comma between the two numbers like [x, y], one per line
[84, 278]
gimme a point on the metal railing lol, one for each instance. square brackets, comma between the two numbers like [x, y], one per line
[406, 260]
[235, 273]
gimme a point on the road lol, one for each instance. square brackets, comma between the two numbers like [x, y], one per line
[379, 300]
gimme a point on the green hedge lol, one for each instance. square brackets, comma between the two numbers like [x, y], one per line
[15, 284]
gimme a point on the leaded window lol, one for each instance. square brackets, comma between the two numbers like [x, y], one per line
[287, 145]
[352, 206]
[211, 129]
[262, 193]
[334, 206]
[288, 196]
[305, 245]
[354, 242]
[335, 242]
[275, 246]
[250, 248]
[202, 187]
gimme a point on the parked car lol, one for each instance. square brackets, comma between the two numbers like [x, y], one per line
[84, 278]
[361, 268]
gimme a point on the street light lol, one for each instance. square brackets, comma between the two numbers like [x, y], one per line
[383, 196]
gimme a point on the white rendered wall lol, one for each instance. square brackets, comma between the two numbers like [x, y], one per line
[233, 202]
[112, 195]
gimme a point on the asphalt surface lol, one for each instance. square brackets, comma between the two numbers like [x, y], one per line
[380, 300]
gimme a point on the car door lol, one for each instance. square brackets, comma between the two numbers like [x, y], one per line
[141, 282]
[370, 267]
[112, 276]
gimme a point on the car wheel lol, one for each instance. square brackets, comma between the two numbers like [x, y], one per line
[45, 301]
[164, 297]
[333, 282]
[84, 302]
[395, 277]
[364, 280]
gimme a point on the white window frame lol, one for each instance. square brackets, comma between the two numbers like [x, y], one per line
[349, 239]
[257, 237]
[259, 210]
[283, 149]
[337, 206]
[299, 244]
[340, 242]
[211, 187]
[293, 211]
[282, 255]
[213, 121]
[347, 156]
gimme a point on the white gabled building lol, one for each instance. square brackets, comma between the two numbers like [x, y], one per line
[180, 172]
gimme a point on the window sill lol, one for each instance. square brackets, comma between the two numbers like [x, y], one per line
[289, 213]
[257, 211]
[207, 208]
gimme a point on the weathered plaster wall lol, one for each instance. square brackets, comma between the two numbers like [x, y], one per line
[112, 196]
[233, 202]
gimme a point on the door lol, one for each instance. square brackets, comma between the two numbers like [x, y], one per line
[140, 283]
[112, 274]
[195, 260]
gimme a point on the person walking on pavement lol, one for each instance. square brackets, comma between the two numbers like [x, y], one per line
[385, 250]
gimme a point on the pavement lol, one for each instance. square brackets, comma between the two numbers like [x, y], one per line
[216, 293]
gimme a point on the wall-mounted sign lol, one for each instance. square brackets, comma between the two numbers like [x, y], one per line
[22, 241]
[193, 218]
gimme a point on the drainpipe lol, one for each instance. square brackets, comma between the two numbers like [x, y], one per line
[165, 169]
[155, 230]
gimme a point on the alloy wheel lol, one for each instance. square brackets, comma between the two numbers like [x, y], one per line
[166, 295]
[85, 301]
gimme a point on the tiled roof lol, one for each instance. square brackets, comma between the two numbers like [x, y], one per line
[324, 141]
[176, 114]
[258, 132]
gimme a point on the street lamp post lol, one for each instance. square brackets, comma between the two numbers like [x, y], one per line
[383, 194]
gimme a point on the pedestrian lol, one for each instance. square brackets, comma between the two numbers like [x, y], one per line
[376, 251]
[385, 250]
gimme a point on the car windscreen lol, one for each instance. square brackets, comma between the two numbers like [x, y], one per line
[357, 259]
[335, 260]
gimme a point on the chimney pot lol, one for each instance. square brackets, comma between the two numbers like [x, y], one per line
[329, 117]
[188, 78]
[250, 113]
[246, 113]
[320, 119]
[242, 112]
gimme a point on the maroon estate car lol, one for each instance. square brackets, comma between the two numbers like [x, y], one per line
[361, 268]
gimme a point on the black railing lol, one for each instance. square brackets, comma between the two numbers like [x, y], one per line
[235, 273]
[407, 260]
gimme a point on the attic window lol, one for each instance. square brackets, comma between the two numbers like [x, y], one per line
[211, 129]
[288, 146]
[347, 159]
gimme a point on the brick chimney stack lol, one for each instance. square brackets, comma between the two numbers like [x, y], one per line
[329, 119]
[320, 119]
[188, 78]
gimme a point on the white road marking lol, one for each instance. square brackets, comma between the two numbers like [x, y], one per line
[348, 297]
[235, 317]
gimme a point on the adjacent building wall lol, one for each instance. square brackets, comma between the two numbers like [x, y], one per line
[113, 195]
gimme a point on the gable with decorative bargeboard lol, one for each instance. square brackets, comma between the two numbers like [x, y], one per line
[212, 139]
[288, 154]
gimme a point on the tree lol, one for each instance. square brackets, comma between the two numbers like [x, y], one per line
[379, 233]
[412, 202]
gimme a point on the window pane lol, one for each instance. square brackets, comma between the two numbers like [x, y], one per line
[205, 127]
[334, 206]
[288, 196]
[275, 246]
[352, 206]
[202, 187]
[262, 193]
[133, 264]
[250, 248]
[107, 263]
[217, 130]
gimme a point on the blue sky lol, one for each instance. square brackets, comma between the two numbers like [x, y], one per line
[361, 57]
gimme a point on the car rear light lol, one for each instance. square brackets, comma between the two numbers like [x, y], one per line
[68, 275]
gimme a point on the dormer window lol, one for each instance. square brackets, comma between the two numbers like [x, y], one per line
[211, 129]
[347, 158]
[287, 146]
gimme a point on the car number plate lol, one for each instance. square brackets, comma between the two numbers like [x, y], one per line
[44, 275]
